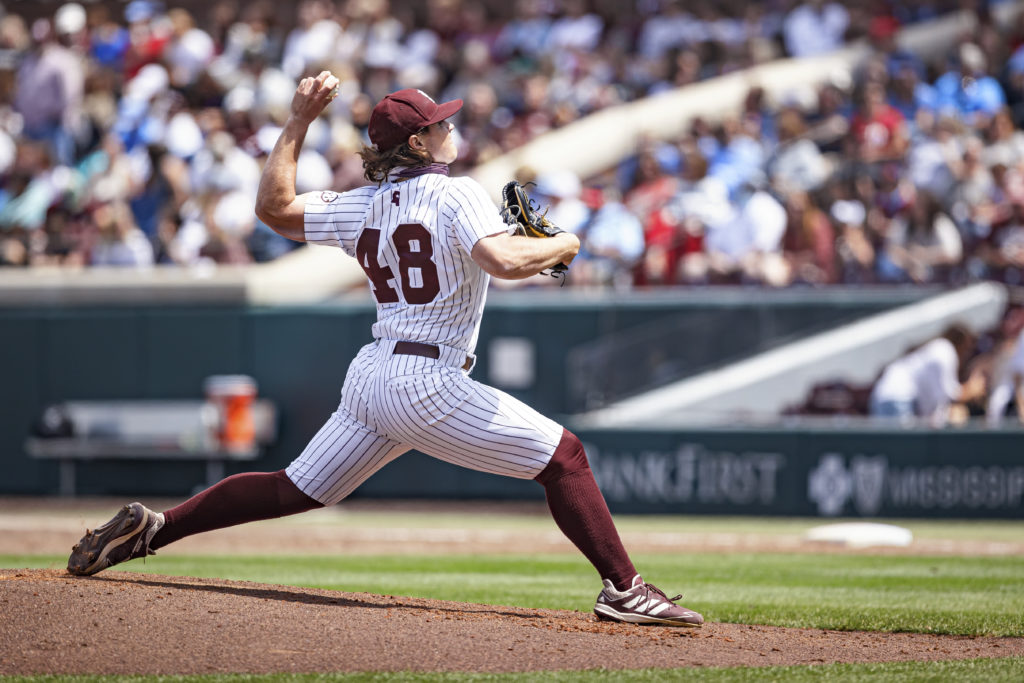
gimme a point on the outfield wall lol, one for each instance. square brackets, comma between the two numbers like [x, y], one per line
[829, 470]
[299, 356]
[852, 470]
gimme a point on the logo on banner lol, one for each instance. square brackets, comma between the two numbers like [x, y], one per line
[872, 483]
[831, 485]
[868, 483]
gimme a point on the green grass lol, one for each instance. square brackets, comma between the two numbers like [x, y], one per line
[954, 595]
[980, 670]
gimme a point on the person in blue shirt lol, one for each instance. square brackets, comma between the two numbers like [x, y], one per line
[968, 91]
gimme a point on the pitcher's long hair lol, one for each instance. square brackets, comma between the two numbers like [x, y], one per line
[377, 164]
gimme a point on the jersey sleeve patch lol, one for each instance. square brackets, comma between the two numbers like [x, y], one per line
[333, 218]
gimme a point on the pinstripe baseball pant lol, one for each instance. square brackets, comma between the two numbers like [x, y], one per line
[391, 403]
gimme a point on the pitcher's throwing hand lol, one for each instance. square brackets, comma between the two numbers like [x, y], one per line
[313, 94]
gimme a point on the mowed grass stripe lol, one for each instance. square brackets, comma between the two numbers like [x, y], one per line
[963, 671]
[955, 595]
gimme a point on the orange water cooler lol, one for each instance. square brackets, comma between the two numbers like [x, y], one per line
[233, 397]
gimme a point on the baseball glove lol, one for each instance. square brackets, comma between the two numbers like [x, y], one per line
[519, 210]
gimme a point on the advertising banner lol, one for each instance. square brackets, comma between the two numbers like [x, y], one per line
[893, 473]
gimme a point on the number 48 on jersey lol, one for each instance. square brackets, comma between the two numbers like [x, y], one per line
[419, 282]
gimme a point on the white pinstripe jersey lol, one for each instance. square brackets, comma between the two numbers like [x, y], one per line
[413, 240]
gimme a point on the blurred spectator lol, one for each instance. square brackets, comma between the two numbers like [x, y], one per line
[924, 382]
[1004, 143]
[999, 255]
[1007, 375]
[678, 224]
[230, 223]
[935, 155]
[968, 91]
[188, 51]
[808, 242]
[108, 39]
[561, 190]
[33, 184]
[574, 34]
[879, 130]
[525, 35]
[797, 163]
[907, 93]
[855, 248]
[221, 166]
[120, 242]
[147, 35]
[165, 189]
[764, 219]
[923, 244]
[50, 84]
[815, 27]
[741, 157]
[650, 187]
[829, 122]
[311, 42]
[613, 243]
[977, 184]
[665, 30]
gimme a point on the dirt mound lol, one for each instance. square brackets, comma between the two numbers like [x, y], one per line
[125, 623]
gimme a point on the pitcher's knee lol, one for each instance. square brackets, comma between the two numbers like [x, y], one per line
[569, 457]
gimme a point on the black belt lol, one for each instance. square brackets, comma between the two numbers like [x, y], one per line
[408, 348]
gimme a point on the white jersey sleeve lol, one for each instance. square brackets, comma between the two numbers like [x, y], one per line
[334, 219]
[475, 215]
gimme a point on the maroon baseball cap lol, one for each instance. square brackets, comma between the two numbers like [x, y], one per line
[402, 113]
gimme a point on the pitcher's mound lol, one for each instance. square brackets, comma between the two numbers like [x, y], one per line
[128, 623]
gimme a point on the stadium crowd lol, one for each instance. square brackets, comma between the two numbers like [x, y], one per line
[908, 171]
[133, 133]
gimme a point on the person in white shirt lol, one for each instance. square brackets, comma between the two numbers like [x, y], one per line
[814, 28]
[925, 382]
[1007, 384]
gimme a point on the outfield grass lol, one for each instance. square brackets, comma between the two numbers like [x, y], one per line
[969, 670]
[952, 595]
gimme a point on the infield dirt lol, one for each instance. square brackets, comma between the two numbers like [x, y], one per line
[132, 623]
[125, 623]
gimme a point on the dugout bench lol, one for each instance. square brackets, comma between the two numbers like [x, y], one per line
[77, 432]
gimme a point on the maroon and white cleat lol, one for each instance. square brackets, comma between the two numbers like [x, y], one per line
[643, 603]
[123, 538]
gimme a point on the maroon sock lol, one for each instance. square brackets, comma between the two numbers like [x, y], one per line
[238, 499]
[580, 512]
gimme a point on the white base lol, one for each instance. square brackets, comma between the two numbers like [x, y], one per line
[861, 534]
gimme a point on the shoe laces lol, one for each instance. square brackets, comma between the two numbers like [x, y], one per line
[652, 587]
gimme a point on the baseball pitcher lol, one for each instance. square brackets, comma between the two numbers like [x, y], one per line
[429, 244]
